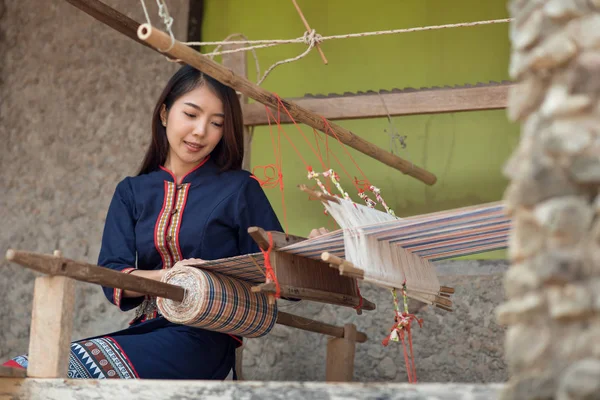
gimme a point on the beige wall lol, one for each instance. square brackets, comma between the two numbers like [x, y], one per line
[76, 100]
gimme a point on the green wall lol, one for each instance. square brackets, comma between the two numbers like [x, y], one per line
[465, 150]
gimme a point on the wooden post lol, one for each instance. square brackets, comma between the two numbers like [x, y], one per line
[237, 63]
[340, 356]
[51, 326]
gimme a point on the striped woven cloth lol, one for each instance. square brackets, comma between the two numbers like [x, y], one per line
[434, 237]
[218, 303]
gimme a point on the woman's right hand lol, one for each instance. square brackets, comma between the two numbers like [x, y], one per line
[317, 232]
[154, 274]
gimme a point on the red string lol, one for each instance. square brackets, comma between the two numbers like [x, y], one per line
[328, 128]
[339, 162]
[271, 181]
[402, 326]
[270, 273]
[280, 129]
[281, 105]
[277, 168]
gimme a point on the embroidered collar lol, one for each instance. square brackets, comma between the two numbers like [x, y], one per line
[207, 166]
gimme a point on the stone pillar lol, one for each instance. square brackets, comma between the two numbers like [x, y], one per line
[552, 310]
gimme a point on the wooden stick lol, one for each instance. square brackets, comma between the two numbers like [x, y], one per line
[309, 30]
[446, 289]
[94, 274]
[280, 239]
[160, 40]
[315, 295]
[444, 307]
[318, 195]
[345, 267]
[310, 325]
[398, 103]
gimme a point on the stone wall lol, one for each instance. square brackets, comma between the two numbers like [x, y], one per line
[553, 285]
[74, 119]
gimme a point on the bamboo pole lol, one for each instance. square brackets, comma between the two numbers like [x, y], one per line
[126, 26]
[85, 272]
[160, 40]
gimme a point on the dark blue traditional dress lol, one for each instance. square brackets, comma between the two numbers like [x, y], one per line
[153, 222]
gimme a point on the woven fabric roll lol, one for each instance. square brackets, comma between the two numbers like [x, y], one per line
[218, 303]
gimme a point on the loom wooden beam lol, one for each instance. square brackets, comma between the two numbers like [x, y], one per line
[317, 327]
[347, 268]
[315, 295]
[279, 239]
[85, 272]
[63, 267]
[160, 40]
[340, 356]
[409, 102]
[305, 278]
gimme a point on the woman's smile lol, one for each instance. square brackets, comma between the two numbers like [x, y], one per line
[193, 147]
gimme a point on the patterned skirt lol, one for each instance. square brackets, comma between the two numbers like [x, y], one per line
[100, 358]
[156, 349]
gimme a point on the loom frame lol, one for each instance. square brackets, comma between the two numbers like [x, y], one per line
[53, 313]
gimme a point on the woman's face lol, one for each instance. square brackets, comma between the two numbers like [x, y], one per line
[194, 125]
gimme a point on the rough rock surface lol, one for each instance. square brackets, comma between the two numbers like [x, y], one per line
[463, 346]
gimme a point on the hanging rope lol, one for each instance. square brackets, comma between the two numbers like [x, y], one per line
[163, 12]
[313, 37]
[310, 38]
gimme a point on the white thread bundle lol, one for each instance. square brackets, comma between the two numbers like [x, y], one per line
[383, 262]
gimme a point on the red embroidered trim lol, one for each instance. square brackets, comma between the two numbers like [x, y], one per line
[118, 293]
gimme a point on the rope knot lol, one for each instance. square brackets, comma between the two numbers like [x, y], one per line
[312, 38]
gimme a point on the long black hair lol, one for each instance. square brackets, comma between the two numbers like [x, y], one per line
[229, 153]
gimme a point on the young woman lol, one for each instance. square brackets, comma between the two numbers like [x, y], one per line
[191, 199]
